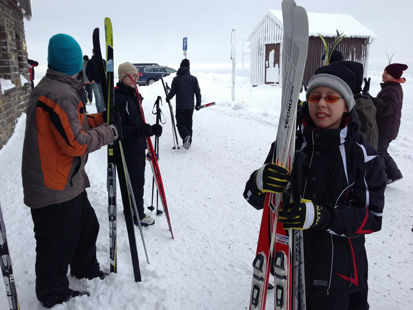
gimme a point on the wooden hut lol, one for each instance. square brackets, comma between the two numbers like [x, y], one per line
[266, 44]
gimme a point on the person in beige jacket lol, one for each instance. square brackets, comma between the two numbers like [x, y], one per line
[58, 138]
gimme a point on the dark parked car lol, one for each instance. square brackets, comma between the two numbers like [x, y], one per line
[152, 72]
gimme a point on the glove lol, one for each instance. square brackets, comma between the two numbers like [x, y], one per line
[157, 130]
[366, 87]
[105, 115]
[147, 130]
[271, 178]
[115, 132]
[251, 194]
[198, 107]
[305, 215]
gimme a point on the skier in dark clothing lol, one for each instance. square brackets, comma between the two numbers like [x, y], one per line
[86, 82]
[342, 192]
[133, 133]
[92, 72]
[389, 102]
[185, 86]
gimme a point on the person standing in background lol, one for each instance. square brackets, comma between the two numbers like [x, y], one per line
[389, 102]
[134, 131]
[185, 86]
[86, 81]
[92, 72]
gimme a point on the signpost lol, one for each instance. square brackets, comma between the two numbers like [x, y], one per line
[233, 58]
[185, 46]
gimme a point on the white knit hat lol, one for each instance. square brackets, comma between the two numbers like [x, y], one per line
[128, 68]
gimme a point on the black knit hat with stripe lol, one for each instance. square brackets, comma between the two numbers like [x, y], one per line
[338, 77]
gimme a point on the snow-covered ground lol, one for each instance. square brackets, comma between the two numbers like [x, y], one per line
[208, 264]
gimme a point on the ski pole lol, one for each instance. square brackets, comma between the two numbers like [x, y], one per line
[158, 120]
[171, 110]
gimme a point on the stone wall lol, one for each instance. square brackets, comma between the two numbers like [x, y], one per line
[13, 66]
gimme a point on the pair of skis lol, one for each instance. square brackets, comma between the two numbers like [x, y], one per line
[6, 267]
[277, 249]
[107, 84]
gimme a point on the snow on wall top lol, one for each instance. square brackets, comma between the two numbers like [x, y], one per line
[327, 24]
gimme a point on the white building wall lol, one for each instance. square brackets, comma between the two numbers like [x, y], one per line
[268, 31]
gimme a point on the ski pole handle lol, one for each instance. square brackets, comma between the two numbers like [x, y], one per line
[206, 105]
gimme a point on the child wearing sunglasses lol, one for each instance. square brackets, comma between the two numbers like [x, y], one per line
[341, 190]
[133, 138]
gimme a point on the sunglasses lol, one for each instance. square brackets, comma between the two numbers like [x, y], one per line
[134, 76]
[328, 99]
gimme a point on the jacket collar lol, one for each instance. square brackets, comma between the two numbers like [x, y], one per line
[330, 137]
[182, 71]
[64, 78]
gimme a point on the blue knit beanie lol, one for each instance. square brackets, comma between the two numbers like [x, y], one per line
[65, 54]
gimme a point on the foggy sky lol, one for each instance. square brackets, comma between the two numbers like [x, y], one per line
[152, 31]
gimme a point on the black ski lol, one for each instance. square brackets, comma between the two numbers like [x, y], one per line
[115, 149]
[6, 267]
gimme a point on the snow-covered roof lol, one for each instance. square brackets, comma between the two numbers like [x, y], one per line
[327, 24]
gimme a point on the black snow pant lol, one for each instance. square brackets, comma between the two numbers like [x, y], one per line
[66, 235]
[89, 92]
[354, 301]
[184, 122]
[136, 161]
[393, 172]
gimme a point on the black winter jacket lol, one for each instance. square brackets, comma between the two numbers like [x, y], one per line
[389, 102]
[342, 172]
[185, 86]
[92, 70]
[127, 108]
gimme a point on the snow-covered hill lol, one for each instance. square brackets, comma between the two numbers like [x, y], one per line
[208, 264]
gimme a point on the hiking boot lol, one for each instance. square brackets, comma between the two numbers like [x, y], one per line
[59, 300]
[147, 220]
[73, 293]
[100, 274]
[187, 142]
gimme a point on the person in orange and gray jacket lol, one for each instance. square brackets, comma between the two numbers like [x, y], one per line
[58, 138]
